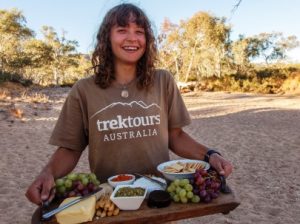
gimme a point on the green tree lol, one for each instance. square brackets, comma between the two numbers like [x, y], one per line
[268, 46]
[274, 46]
[242, 51]
[63, 53]
[38, 54]
[53, 59]
[196, 46]
[169, 52]
[13, 33]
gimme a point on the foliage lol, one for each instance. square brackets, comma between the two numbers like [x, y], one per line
[13, 33]
[196, 46]
[8, 77]
[292, 83]
[263, 80]
[197, 49]
[268, 46]
[51, 60]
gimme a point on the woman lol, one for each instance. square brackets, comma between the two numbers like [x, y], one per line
[127, 113]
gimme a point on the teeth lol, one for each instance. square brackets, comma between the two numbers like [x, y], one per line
[130, 48]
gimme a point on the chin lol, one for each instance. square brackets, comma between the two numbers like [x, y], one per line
[131, 62]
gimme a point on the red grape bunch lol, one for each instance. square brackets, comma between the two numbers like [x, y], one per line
[206, 184]
[76, 184]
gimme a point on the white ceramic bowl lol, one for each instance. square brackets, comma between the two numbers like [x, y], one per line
[124, 182]
[130, 202]
[184, 175]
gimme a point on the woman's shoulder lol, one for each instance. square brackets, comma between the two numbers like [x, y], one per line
[86, 82]
[163, 75]
[83, 85]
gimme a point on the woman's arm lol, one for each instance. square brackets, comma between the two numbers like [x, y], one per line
[185, 146]
[62, 162]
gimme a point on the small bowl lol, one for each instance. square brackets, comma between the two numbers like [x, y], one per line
[184, 175]
[128, 202]
[120, 182]
[159, 199]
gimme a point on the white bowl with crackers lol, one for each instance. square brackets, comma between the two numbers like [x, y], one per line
[181, 168]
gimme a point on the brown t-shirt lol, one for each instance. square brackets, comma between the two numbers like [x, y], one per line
[124, 135]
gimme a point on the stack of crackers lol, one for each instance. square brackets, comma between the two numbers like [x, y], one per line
[180, 167]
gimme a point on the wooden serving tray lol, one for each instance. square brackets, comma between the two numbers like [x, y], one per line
[176, 211]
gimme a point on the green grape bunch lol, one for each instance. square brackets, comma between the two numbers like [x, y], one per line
[76, 184]
[181, 191]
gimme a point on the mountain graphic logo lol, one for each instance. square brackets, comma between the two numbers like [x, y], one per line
[131, 104]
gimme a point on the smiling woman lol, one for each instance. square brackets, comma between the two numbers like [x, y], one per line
[130, 133]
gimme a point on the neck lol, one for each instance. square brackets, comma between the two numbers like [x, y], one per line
[125, 74]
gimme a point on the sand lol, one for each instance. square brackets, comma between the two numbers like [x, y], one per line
[260, 134]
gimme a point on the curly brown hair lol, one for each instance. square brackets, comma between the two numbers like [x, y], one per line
[102, 58]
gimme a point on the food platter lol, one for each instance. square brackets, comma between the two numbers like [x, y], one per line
[111, 206]
[176, 211]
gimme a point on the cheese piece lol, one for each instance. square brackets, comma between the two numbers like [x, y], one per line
[83, 211]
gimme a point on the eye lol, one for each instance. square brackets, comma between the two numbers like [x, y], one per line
[121, 30]
[140, 32]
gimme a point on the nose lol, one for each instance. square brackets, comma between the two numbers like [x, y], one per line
[131, 36]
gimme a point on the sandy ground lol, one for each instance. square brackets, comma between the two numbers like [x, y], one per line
[260, 134]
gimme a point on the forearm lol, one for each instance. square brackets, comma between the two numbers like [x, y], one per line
[62, 162]
[185, 146]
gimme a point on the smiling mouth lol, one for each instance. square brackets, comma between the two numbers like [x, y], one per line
[130, 48]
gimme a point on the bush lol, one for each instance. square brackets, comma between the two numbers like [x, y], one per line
[268, 80]
[292, 83]
[7, 77]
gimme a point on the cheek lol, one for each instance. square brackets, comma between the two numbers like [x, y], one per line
[113, 39]
[115, 42]
[142, 41]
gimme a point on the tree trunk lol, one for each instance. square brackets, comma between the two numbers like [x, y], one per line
[177, 69]
[55, 77]
[191, 63]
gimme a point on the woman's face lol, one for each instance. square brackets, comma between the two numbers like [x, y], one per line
[128, 43]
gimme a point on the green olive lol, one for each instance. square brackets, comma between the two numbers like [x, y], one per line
[130, 192]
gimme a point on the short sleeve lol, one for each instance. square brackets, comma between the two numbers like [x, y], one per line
[69, 131]
[178, 115]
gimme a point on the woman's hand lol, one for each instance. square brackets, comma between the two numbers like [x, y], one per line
[222, 166]
[62, 162]
[41, 189]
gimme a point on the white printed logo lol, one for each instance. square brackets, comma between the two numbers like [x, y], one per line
[136, 126]
[131, 104]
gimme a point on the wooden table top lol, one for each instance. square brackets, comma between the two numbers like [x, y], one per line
[176, 211]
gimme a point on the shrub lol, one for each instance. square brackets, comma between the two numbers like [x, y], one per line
[268, 80]
[5, 77]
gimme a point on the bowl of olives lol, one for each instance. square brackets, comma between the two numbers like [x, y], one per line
[128, 197]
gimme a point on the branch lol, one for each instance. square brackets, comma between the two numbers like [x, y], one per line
[236, 6]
